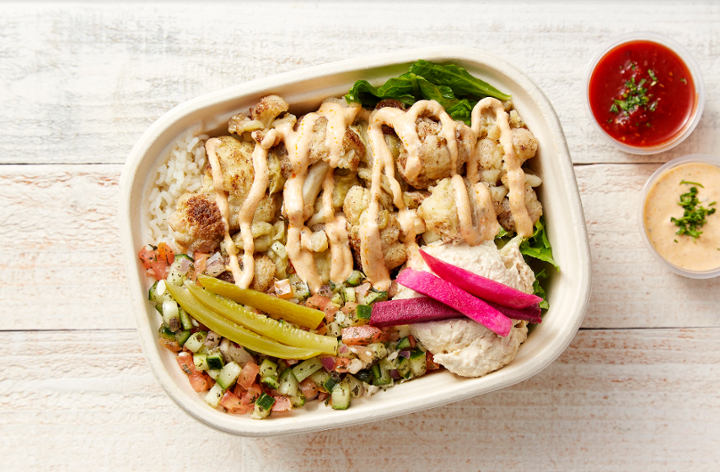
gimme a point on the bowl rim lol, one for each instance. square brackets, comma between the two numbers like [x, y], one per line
[687, 159]
[224, 422]
[692, 65]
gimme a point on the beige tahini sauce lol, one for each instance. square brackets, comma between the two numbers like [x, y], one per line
[661, 204]
[339, 117]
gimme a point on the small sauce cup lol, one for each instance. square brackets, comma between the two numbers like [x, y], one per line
[644, 93]
[677, 252]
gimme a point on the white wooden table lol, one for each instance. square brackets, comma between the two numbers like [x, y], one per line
[638, 389]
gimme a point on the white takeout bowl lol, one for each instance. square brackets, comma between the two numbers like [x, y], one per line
[568, 290]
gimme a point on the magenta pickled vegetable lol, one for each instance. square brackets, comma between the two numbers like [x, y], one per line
[410, 311]
[455, 297]
[531, 313]
[478, 285]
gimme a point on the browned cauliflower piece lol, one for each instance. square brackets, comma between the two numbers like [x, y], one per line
[534, 208]
[355, 209]
[434, 154]
[269, 108]
[264, 273]
[353, 148]
[197, 223]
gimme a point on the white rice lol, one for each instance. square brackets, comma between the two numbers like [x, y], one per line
[180, 172]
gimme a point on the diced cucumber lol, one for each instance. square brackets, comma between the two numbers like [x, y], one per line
[306, 368]
[379, 351]
[320, 377]
[263, 407]
[176, 276]
[228, 375]
[365, 375]
[404, 343]
[349, 294]
[268, 368]
[171, 315]
[158, 293]
[182, 336]
[355, 278]
[356, 388]
[418, 363]
[288, 384]
[200, 361]
[340, 396]
[363, 312]
[403, 366]
[185, 319]
[214, 395]
[195, 342]
[215, 360]
[213, 373]
[298, 400]
[271, 382]
[165, 332]
[380, 376]
[338, 299]
[373, 296]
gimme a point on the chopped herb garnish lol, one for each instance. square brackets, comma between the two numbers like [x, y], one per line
[694, 216]
[685, 182]
[614, 108]
[684, 80]
[652, 76]
[635, 95]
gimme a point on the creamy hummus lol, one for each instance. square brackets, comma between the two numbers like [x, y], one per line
[462, 346]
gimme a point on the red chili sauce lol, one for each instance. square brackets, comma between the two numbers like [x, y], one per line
[642, 94]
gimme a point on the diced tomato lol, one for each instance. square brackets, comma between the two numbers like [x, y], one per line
[161, 269]
[322, 396]
[322, 330]
[309, 389]
[282, 403]
[200, 382]
[390, 334]
[233, 403]
[349, 308]
[185, 361]
[239, 391]
[252, 394]
[248, 374]
[317, 301]
[341, 364]
[412, 341]
[330, 311]
[147, 256]
[171, 345]
[165, 253]
[430, 361]
[361, 335]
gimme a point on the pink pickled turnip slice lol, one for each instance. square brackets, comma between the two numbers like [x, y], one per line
[409, 311]
[483, 287]
[455, 297]
[531, 313]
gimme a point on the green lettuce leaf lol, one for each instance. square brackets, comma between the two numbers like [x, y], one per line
[537, 246]
[539, 290]
[451, 86]
[458, 79]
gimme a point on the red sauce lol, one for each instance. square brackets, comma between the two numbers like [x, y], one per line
[642, 94]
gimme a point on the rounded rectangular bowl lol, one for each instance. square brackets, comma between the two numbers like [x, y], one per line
[568, 291]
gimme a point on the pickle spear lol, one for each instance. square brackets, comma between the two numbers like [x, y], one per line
[233, 331]
[273, 306]
[261, 324]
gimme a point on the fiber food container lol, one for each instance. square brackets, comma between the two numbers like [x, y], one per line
[568, 291]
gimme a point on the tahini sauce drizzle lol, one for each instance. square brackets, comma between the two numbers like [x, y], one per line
[222, 203]
[339, 117]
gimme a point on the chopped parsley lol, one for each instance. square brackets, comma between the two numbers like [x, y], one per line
[635, 95]
[684, 80]
[685, 182]
[694, 216]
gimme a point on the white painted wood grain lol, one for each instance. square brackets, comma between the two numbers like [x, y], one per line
[81, 84]
[615, 400]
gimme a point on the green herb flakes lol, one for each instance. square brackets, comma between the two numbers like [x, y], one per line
[694, 216]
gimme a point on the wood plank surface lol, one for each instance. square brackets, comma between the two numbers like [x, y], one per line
[615, 399]
[81, 84]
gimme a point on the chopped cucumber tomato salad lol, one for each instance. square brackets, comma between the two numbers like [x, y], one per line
[259, 353]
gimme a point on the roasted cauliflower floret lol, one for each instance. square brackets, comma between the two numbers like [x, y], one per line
[525, 143]
[269, 108]
[355, 208]
[197, 223]
[434, 154]
[353, 148]
[533, 205]
[264, 273]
